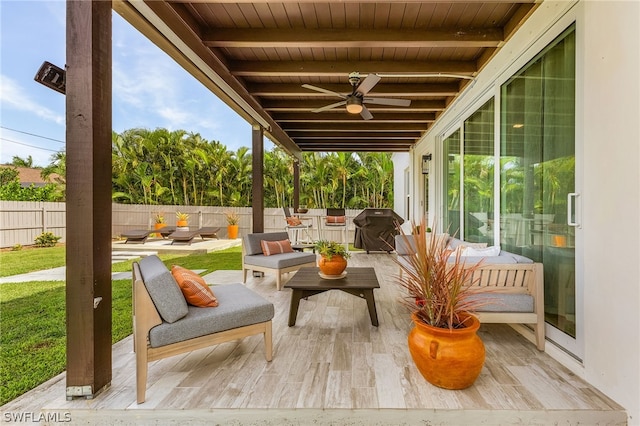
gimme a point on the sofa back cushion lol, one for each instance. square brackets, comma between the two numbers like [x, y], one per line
[163, 289]
[252, 241]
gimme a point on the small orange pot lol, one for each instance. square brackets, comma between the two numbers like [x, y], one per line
[450, 359]
[182, 223]
[158, 226]
[335, 266]
[232, 231]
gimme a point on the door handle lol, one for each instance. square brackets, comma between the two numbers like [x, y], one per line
[572, 218]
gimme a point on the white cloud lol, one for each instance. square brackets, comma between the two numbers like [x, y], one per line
[13, 96]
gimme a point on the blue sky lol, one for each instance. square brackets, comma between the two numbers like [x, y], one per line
[149, 89]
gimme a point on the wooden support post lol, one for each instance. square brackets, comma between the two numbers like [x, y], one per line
[296, 183]
[257, 190]
[88, 287]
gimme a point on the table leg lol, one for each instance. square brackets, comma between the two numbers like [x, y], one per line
[296, 295]
[371, 304]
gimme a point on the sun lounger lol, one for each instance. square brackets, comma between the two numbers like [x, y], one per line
[186, 237]
[137, 236]
[209, 232]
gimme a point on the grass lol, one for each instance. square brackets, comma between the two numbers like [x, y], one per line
[31, 259]
[32, 315]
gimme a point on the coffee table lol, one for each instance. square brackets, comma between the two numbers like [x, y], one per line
[358, 282]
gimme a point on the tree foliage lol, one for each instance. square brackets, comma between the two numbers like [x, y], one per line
[162, 167]
[181, 168]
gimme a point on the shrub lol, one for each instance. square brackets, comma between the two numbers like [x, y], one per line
[16, 247]
[46, 239]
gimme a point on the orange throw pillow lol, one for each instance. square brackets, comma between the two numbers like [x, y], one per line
[336, 219]
[194, 289]
[276, 247]
[293, 221]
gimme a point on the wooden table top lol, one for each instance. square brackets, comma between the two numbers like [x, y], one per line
[357, 278]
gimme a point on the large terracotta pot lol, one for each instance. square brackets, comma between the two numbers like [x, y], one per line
[450, 359]
[232, 231]
[335, 266]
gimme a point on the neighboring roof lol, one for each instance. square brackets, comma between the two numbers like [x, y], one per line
[255, 55]
[28, 176]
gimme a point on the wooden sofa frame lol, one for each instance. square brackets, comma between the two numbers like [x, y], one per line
[145, 317]
[517, 278]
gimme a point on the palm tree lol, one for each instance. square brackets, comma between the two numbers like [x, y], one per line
[57, 168]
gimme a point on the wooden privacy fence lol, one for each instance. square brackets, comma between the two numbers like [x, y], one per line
[21, 222]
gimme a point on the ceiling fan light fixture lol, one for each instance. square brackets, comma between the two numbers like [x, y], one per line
[354, 105]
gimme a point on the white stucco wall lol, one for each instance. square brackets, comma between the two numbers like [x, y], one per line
[608, 178]
[400, 164]
[611, 201]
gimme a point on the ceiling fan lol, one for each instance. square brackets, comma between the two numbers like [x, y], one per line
[356, 100]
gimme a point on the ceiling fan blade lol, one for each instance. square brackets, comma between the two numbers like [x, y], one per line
[388, 101]
[328, 107]
[365, 113]
[367, 84]
[328, 92]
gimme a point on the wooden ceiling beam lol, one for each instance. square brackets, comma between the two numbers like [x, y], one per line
[363, 134]
[389, 89]
[355, 126]
[284, 105]
[345, 147]
[343, 68]
[324, 1]
[349, 37]
[341, 116]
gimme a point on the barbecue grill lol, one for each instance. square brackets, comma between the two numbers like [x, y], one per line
[376, 229]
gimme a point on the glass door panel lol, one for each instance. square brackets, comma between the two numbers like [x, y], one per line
[478, 170]
[451, 184]
[537, 172]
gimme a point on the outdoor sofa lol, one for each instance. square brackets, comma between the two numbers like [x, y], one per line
[510, 286]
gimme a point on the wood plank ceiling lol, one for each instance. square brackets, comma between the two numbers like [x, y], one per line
[264, 51]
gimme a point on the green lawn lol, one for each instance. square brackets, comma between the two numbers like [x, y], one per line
[32, 314]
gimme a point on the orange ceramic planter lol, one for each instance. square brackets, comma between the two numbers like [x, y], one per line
[335, 266]
[450, 359]
[182, 223]
[232, 231]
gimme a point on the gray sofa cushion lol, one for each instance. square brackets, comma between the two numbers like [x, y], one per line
[504, 302]
[163, 289]
[238, 307]
[281, 260]
[252, 241]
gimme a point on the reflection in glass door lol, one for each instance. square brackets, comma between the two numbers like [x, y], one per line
[537, 173]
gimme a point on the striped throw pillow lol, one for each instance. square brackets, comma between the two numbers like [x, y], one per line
[336, 219]
[276, 247]
[194, 289]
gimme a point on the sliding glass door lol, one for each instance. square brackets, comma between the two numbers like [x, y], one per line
[535, 184]
[537, 174]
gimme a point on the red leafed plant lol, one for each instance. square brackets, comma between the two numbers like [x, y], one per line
[436, 279]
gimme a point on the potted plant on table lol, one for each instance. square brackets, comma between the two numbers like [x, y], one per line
[437, 285]
[233, 219]
[182, 219]
[333, 257]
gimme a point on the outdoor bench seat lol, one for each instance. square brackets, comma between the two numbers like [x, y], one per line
[510, 287]
[165, 325]
[254, 259]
